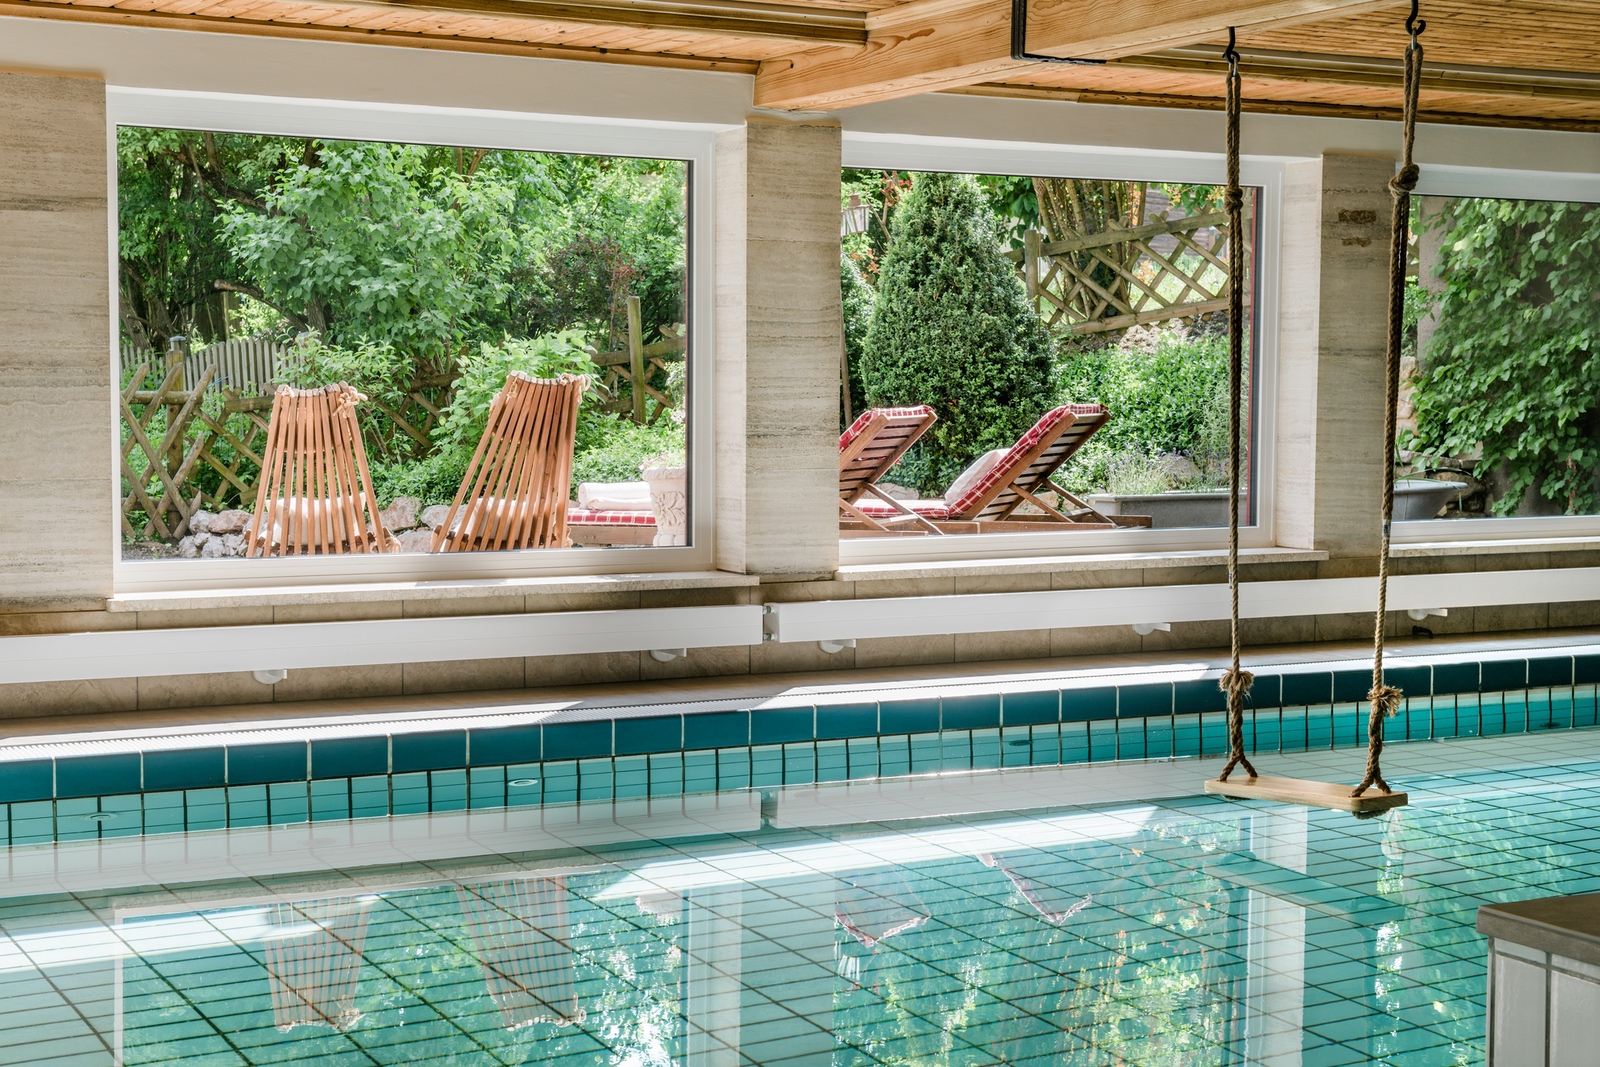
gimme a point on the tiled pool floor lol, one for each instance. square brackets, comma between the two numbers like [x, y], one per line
[1098, 915]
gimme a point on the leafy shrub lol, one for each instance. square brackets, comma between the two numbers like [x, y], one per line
[619, 448]
[1168, 395]
[856, 296]
[952, 328]
[1511, 369]
[483, 374]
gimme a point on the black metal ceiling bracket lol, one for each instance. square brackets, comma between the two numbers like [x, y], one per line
[1019, 41]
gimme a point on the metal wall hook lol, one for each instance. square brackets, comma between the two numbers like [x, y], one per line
[1415, 25]
[1231, 53]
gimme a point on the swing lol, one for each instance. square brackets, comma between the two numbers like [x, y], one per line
[1236, 682]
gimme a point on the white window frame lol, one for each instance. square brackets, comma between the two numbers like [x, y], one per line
[1458, 181]
[414, 124]
[963, 156]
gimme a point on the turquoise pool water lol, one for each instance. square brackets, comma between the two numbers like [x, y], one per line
[736, 930]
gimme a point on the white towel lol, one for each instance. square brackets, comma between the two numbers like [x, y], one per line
[614, 496]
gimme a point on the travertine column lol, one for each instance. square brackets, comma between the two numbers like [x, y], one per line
[777, 341]
[56, 450]
[1334, 307]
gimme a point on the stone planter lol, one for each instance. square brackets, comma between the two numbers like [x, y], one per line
[1167, 510]
[669, 499]
[1421, 498]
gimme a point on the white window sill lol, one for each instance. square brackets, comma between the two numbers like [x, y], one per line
[1498, 547]
[378, 592]
[1110, 561]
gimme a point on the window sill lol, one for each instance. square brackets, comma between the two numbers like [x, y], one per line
[1504, 546]
[1111, 561]
[379, 592]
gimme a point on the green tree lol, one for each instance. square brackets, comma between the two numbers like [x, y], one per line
[1511, 369]
[952, 328]
[856, 299]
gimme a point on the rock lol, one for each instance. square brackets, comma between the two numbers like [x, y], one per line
[189, 547]
[213, 549]
[233, 544]
[1179, 468]
[433, 516]
[200, 521]
[401, 514]
[231, 521]
[414, 540]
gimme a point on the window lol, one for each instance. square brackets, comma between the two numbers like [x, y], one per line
[267, 258]
[988, 315]
[1500, 402]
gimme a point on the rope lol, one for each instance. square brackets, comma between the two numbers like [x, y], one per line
[1236, 683]
[1386, 698]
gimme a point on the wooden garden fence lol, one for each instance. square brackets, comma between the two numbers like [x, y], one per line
[1095, 283]
[626, 374]
[247, 365]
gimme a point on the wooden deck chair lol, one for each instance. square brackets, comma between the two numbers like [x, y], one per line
[315, 494]
[314, 969]
[514, 494]
[524, 939]
[873, 444]
[1054, 911]
[1026, 470]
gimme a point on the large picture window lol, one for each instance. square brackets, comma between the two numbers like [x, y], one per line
[344, 347]
[1500, 398]
[1036, 355]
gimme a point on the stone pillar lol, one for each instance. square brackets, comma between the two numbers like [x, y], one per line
[778, 323]
[57, 536]
[1331, 342]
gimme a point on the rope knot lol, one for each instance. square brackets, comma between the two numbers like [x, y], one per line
[1406, 180]
[1385, 698]
[1236, 683]
[1233, 199]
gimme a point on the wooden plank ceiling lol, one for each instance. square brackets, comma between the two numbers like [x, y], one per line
[1526, 63]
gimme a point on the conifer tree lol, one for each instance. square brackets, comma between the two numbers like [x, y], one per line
[952, 328]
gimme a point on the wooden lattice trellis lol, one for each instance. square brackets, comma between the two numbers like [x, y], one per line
[625, 374]
[425, 401]
[1061, 275]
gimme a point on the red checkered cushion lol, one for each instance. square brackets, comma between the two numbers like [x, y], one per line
[921, 411]
[1006, 469]
[928, 509]
[585, 517]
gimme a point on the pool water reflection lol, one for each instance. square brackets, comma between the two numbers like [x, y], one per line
[1189, 933]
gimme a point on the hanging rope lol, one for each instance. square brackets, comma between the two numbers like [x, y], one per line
[1236, 683]
[1386, 698]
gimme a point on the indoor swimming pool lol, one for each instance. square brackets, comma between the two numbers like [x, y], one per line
[1043, 916]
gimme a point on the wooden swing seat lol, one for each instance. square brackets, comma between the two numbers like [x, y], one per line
[1302, 791]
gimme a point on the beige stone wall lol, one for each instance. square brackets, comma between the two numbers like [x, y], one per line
[1334, 300]
[56, 532]
[777, 338]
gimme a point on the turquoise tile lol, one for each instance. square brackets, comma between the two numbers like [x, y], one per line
[436, 750]
[330, 799]
[260, 764]
[700, 771]
[1319, 728]
[349, 757]
[927, 753]
[1069, 744]
[985, 751]
[33, 822]
[716, 729]
[1350, 725]
[862, 757]
[1016, 745]
[1145, 698]
[369, 797]
[447, 790]
[734, 768]
[577, 740]
[955, 750]
[1214, 733]
[1030, 709]
[27, 780]
[505, 745]
[1500, 675]
[486, 787]
[908, 716]
[667, 773]
[1159, 741]
[89, 776]
[211, 809]
[847, 720]
[632, 776]
[976, 711]
[247, 806]
[1455, 678]
[288, 802]
[1585, 705]
[1082, 705]
[1130, 738]
[1198, 695]
[1102, 739]
[1309, 688]
[193, 768]
[163, 813]
[408, 793]
[799, 763]
[596, 779]
[773, 726]
[766, 766]
[1266, 691]
[894, 756]
[655, 733]
[1186, 735]
[833, 761]
[1351, 686]
[525, 784]
[1586, 670]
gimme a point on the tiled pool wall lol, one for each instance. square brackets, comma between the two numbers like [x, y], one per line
[165, 790]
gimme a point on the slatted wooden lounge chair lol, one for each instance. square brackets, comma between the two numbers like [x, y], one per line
[874, 443]
[514, 494]
[1026, 470]
[315, 494]
[1055, 910]
[524, 939]
[315, 970]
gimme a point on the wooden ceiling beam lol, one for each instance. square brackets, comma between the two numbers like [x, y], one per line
[928, 45]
